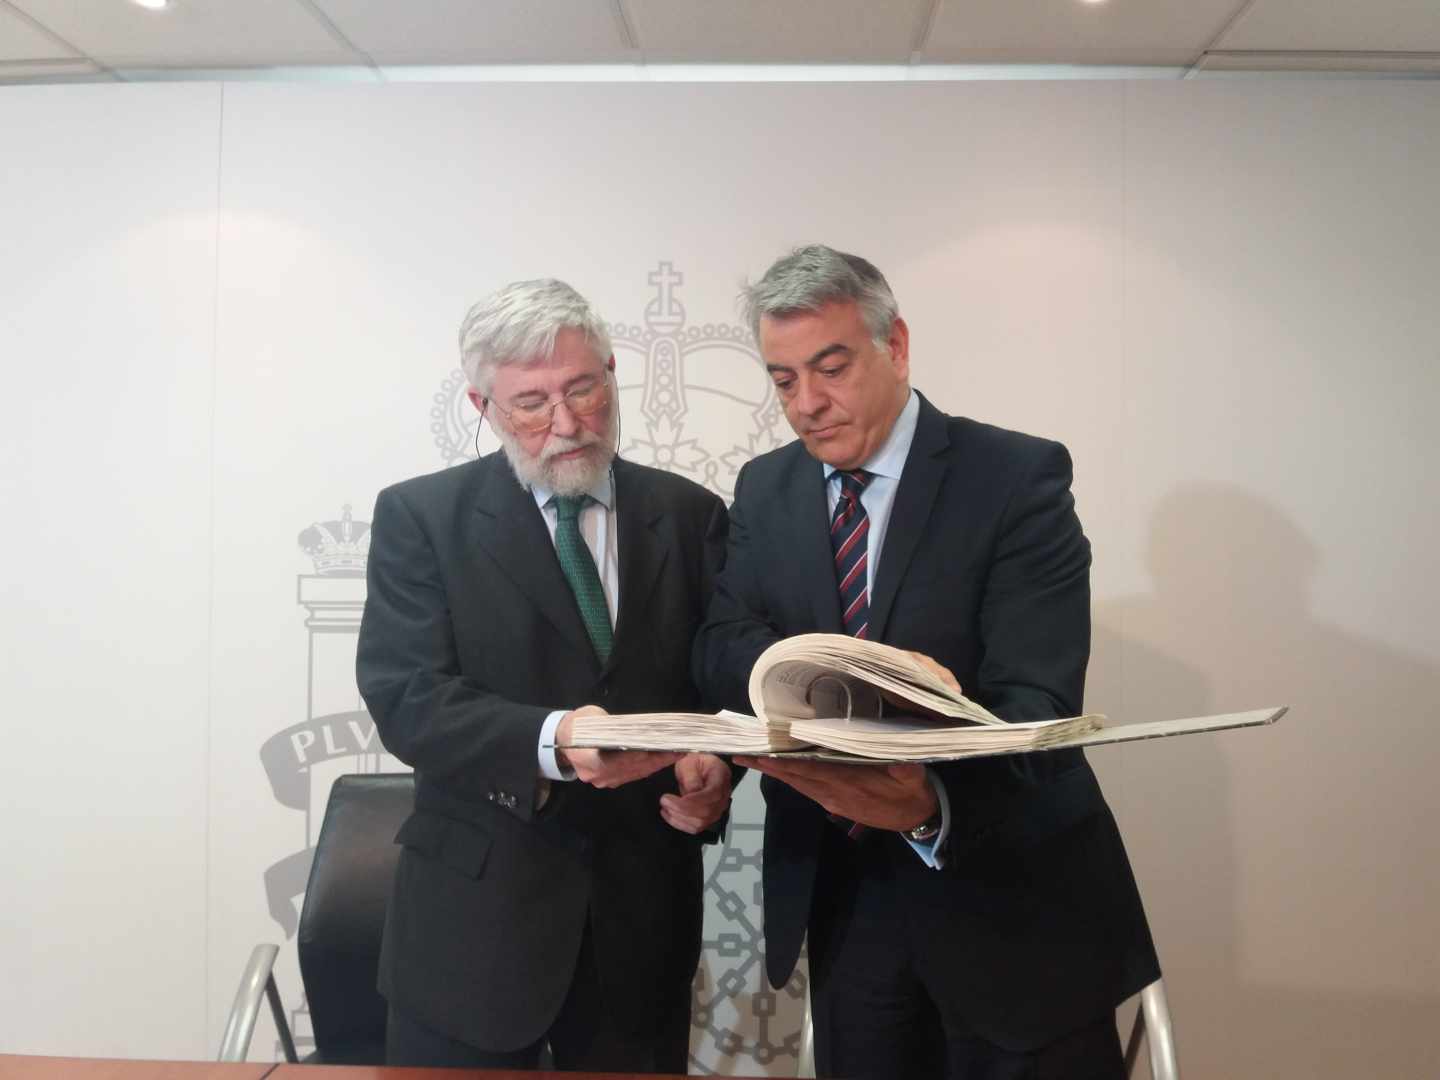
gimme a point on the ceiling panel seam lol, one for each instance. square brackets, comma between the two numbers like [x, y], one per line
[923, 31]
[338, 35]
[1333, 54]
[626, 26]
[1230, 23]
[53, 36]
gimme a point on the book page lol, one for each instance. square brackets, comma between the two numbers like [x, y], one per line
[900, 738]
[891, 741]
[800, 689]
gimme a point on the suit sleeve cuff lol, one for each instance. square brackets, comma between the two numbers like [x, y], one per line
[932, 852]
[550, 766]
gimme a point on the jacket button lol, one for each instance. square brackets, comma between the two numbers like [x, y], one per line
[603, 690]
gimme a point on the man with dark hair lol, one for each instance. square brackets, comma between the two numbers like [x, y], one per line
[973, 919]
[543, 895]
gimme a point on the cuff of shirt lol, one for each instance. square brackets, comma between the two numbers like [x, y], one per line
[550, 766]
[932, 852]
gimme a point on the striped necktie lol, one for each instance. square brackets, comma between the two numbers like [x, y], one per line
[579, 567]
[849, 532]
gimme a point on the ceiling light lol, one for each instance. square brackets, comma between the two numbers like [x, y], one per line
[153, 5]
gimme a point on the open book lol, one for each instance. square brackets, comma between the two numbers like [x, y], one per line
[840, 698]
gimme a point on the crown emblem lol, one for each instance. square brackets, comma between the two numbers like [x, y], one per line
[338, 548]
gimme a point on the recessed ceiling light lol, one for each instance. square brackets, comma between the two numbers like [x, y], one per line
[153, 5]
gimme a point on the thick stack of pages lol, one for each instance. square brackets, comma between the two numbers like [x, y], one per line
[840, 698]
[722, 733]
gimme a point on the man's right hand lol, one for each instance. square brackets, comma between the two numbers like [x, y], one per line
[606, 768]
[934, 667]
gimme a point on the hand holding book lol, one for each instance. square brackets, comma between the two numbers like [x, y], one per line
[604, 768]
[894, 797]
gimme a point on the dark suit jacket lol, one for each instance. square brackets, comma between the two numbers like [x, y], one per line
[985, 568]
[470, 637]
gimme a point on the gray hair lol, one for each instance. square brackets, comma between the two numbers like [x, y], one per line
[519, 323]
[810, 277]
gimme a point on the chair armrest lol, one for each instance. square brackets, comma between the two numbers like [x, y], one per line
[257, 981]
[1153, 1026]
[1156, 1009]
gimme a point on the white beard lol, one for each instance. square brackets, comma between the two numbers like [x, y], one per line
[563, 477]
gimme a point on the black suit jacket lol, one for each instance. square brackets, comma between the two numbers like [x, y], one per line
[986, 569]
[470, 638]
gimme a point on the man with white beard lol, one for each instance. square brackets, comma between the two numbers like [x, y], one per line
[543, 896]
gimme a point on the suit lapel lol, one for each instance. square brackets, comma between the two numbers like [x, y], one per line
[920, 480]
[807, 552]
[509, 528]
[643, 550]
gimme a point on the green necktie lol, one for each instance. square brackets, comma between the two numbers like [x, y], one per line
[579, 567]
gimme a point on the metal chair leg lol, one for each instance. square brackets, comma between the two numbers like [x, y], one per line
[806, 1066]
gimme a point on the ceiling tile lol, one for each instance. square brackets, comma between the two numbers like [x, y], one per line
[192, 33]
[466, 32]
[777, 31]
[20, 39]
[1069, 31]
[1338, 25]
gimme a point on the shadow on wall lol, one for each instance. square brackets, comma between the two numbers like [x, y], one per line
[1291, 873]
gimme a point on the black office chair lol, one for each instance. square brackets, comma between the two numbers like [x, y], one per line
[338, 941]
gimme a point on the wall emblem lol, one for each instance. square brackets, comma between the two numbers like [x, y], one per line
[337, 735]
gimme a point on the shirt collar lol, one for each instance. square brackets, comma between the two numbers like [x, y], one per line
[603, 492]
[889, 460]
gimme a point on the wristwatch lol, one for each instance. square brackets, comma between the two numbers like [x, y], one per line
[927, 830]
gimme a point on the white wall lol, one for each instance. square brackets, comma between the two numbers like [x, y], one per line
[232, 311]
[1282, 368]
[107, 213]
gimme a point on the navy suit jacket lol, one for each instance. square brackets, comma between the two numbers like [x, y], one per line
[986, 569]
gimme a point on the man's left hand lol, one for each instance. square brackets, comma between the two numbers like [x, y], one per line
[704, 793]
[893, 797]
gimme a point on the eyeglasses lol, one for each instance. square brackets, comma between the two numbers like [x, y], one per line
[531, 418]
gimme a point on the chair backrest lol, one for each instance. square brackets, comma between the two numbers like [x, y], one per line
[344, 914]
